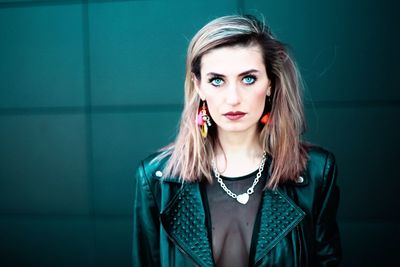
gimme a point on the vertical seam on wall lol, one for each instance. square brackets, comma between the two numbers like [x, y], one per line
[89, 127]
[240, 7]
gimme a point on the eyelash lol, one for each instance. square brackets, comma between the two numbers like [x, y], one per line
[252, 77]
[212, 79]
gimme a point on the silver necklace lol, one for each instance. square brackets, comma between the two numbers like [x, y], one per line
[242, 198]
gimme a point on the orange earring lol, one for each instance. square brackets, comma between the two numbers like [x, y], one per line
[265, 118]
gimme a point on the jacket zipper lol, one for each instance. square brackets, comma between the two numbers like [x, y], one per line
[299, 239]
[290, 229]
[181, 249]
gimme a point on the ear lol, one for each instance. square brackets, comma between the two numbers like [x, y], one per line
[269, 90]
[196, 84]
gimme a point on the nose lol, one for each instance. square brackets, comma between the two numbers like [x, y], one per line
[233, 97]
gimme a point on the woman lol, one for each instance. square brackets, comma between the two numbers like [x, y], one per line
[238, 187]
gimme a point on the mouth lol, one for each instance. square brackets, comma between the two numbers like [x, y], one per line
[234, 115]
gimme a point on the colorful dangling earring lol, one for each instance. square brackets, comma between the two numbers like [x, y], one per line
[203, 120]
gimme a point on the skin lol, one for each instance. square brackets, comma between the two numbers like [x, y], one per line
[234, 79]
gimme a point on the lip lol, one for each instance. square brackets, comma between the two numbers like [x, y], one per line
[234, 115]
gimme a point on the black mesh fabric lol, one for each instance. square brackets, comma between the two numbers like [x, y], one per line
[232, 222]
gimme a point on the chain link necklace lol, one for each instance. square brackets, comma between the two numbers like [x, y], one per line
[242, 198]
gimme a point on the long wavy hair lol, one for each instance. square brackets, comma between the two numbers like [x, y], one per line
[190, 155]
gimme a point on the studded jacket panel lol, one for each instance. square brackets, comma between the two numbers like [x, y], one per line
[296, 223]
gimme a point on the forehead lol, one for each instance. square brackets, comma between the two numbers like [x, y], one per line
[233, 59]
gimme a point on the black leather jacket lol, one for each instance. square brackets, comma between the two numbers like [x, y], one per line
[295, 226]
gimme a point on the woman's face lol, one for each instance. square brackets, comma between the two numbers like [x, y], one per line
[234, 83]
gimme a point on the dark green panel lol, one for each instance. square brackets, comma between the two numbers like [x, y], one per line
[137, 48]
[113, 242]
[41, 51]
[370, 244]
[120, 141]
[347, 50]
[43, 164]
[365, 142]
[44, 241]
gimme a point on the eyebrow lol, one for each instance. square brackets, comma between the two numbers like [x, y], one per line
[241, 74]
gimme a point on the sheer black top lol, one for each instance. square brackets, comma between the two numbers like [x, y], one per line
[232, 222]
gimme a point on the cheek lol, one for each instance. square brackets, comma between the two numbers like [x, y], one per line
[262, 93]
[212, 107]
[259, 100]
[213, 101]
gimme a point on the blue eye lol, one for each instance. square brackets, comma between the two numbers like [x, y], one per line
[216, 81]
[249, 80]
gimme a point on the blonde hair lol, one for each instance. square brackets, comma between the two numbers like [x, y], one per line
[190, 154]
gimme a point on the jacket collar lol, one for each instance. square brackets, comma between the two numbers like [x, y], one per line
[278, 216]
[184, 220]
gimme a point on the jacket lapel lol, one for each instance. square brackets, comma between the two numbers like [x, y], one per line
[184, 221]
[278, 216]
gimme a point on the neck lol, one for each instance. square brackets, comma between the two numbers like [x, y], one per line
[239, 153]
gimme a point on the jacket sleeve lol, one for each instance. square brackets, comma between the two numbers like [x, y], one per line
[146, 249]
[327, 231]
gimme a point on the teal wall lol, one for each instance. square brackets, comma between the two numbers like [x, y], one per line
[88, 88]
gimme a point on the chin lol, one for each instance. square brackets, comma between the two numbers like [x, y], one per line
[237, 128]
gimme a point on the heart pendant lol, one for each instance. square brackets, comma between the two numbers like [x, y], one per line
[243, 198]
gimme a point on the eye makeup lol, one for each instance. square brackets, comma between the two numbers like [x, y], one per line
[216, 81]
[248, 78]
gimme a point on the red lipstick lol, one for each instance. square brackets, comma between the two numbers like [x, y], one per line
[234, 115]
